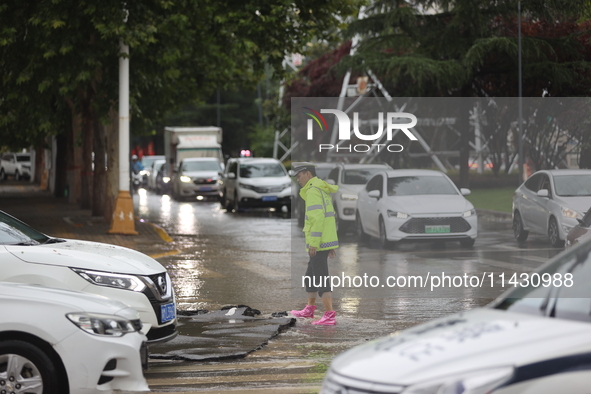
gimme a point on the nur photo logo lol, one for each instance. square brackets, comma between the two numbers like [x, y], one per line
[388, 123]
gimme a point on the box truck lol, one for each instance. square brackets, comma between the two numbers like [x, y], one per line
[185, 142]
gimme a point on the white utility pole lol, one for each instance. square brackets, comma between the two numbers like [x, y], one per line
[123, 219]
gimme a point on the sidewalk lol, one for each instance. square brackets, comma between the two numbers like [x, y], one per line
[58, 218]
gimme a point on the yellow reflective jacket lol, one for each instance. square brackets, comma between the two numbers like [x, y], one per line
[320, 226]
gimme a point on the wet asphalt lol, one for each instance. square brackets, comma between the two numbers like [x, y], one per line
[223, 259]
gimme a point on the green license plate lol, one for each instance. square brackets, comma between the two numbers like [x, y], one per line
[437, 229]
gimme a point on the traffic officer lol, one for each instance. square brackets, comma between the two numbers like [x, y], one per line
[321, 240]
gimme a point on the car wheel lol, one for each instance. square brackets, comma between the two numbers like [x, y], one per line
[467, 242]
[361, 235]
[2, 174]
[519, 232]
[229, 204]
[26, 368]
[300, 208]
[553, 233]
[237, 207]
[17, 175]
[384, 235]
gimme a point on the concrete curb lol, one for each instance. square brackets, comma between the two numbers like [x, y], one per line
[161, 232]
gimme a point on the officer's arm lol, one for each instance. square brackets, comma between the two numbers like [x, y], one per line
[315, 212]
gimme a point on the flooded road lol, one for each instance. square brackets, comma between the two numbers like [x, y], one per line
[220, 258]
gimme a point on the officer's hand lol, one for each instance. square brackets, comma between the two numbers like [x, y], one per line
[332, 253]
[312, 252]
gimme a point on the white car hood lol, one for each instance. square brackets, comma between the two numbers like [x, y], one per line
[74, 300]
[580, 204]
[88, 255]
[432, 204]
[202, 174]
[266, 181]
[482, 338]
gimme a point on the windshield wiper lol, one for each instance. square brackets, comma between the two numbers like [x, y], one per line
[29, 243]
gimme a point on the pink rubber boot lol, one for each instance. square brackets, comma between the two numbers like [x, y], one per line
[308, 311]
[329, 319]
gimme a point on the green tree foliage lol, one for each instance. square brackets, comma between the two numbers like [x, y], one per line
[59, 58]
[469, 47]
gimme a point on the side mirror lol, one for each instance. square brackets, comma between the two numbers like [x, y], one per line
[231, 175]
[465, 192]
[331, 182]
[543, 193]
[291, 173]
[374, 194]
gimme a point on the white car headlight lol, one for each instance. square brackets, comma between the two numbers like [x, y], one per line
[186, 179]
[97, 324]
[469, 213]
[570, 213]
[349, 197]
[399, 215]
[119, 281]
[143, 172]
[475, 382]
[165, 179]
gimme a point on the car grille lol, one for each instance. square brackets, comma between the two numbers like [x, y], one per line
[417, 225]
[268, 189]
[204, 181]
[160, 283]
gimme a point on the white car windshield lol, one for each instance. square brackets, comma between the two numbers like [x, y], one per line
[359, 176]
[205, 165]
[559, 290]
[572, 185]
[262, 170]
[420, 185]
[15, 232]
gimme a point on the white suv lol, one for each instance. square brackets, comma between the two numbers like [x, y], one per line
[196, 177]
[17, 165]
[59, 341]
[28, 256]
[350, 178]
[255, 183]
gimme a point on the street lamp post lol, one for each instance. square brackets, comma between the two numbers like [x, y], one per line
[123, 219]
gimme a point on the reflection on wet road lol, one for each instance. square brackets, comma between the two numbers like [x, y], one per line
[230, 259]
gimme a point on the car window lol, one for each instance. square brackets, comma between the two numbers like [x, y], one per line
[261, 170]
[13, 231]
[375, 183]
[334, 175]
[23, 158]
[420, 185]
[322, 172]
[205, 165]
[233, 167]
[572, 185]
[359, 176]
[560, 289]
[545, 185]
[533, 183]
